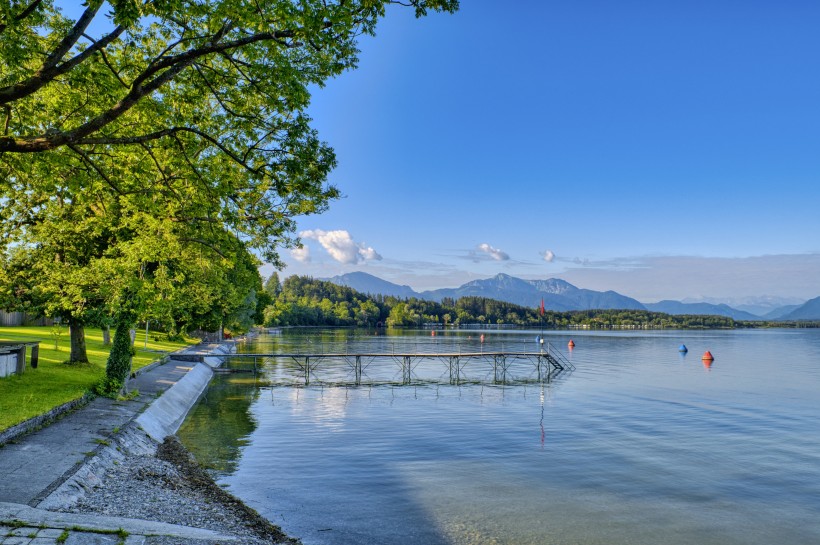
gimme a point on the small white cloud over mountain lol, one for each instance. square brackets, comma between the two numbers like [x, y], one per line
[341, 246]
[494, 253]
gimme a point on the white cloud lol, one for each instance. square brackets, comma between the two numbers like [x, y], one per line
[494, 253]
[548, 256]
[301, 255]
[369, 254]
[341, 246]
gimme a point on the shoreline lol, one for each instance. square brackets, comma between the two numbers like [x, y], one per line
[166, 484]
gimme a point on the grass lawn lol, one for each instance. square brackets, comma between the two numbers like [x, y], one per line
[53, 382]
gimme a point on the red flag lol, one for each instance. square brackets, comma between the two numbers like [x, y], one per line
[542, 306]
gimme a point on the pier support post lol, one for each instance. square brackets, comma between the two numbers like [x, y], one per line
[406, 370]
[500, 368]
[357, 369]
[455, 370]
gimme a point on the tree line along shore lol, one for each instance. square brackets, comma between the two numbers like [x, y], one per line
[304, 301]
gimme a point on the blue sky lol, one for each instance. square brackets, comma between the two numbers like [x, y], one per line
[661, 149]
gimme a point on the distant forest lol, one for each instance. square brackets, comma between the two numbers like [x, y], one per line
[304, 301]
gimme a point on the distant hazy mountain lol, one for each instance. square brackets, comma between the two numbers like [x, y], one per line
[677, 308]
[810, 310]
[562, 296]
[503, 287]
[557, 294]
[765, 306]
[778, 313]
[367, 283]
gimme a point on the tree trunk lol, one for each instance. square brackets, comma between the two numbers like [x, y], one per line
[106, 335]
[77, 333]
[118, 366]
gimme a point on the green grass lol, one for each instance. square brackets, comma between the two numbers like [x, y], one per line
[53, 383]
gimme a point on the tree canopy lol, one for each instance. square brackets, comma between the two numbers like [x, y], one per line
[202, 102]
[149, 152]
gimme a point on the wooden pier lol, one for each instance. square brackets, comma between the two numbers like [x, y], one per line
[502, 367]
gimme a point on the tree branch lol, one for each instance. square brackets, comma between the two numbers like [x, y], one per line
[107, 62]
[205, 243]
[143, 85]
[51, 69]
[70, 39]
[23, 14]
[8, 119]
[87, 160]
[169, 132]
[216, 94]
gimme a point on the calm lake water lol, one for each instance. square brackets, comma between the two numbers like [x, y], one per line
[638, 445]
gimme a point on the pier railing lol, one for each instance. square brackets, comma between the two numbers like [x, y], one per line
[498, 367]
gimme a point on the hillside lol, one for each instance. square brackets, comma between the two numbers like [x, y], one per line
[810, 310]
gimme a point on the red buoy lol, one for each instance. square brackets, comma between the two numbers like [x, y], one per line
[570, 344]
[482, 337]
[433, 333]
[707, 356]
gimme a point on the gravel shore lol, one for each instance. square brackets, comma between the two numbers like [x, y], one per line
[171, 487]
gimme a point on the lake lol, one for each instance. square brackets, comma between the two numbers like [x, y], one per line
[640, 444]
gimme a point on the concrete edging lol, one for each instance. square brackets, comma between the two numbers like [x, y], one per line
[164, 416]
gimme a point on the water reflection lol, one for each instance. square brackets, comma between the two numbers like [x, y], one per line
[219, 426]
[632, 448]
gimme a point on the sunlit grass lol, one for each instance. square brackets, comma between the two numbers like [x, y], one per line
[54, 382]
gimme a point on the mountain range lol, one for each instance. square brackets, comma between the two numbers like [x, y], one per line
[560, 295]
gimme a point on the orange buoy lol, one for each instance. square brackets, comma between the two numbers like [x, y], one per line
[707, 364]
[433, 333]
[482, 337]
[571, 344]
[707, 356]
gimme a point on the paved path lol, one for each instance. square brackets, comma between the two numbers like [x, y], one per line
[26, 525]
[34, 465]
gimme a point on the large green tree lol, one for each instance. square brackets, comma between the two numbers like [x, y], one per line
[163, 125]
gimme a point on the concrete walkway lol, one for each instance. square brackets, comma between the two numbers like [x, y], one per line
[22, 524]
[42, 464]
